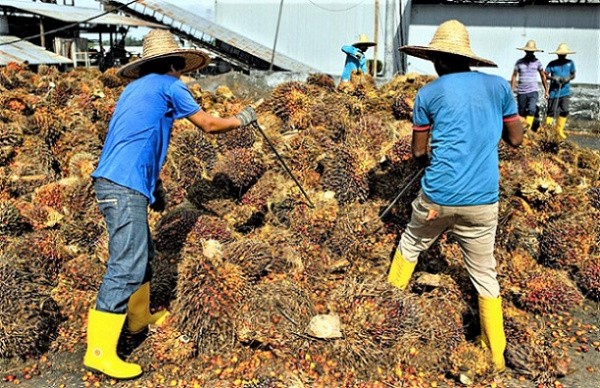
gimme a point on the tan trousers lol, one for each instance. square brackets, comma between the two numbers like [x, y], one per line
[474, 227]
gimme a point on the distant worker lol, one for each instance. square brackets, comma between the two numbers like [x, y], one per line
[561, 71]
[527, 69]
[465, 113]
[127, 181]
[355, 56]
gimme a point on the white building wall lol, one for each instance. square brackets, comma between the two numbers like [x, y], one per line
[496, 32]
[313, 31]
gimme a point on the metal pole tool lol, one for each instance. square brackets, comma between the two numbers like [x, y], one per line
[257, 126]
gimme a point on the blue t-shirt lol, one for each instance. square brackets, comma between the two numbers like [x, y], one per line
[140, 129]
[465, 112]
[353, 62]
[560, 68]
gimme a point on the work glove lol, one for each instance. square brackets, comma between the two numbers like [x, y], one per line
[247, 116]
[556, 79]
[565, 80]
[160, 197]
[359, 55]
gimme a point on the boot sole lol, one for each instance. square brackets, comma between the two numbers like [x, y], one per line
[94, 370]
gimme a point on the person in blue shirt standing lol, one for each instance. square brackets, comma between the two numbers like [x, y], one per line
[126, 181]
[561, 71]
[355, 56]
[465, 113]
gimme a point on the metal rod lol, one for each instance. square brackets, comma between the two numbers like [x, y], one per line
[391, 205]
[283, 163]
[276, 34]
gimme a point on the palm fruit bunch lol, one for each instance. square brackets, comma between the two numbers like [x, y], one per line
[345, 172]
[548, 291]
[374, 317]
[470, 363]
[556, 248]
[291, 102]
[256, 258]
[11, 137]
[243, 166]
[29, 315]
[316, 222]
[321, 80]
[210, 292]
[194, 154]
[588, 277]
[172, 229]
[274, 313]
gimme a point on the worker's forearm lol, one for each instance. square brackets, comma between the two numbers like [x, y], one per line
[218, 125]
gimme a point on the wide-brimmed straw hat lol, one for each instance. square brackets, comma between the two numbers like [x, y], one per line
[451, 37]
[563, 49]
[161, 44]
[364, 41]
[530, 46]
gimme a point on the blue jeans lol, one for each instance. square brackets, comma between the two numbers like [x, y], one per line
[130, 244]
[527, 103]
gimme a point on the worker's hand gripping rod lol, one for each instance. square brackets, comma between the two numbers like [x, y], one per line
[257, 126]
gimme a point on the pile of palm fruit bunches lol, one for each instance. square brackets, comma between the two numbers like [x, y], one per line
[244, 262]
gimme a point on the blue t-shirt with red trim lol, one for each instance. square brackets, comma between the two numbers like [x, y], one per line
[465, 113]
[140, 129]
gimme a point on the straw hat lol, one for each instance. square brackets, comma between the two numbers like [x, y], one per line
[451, 37]
[364, 41]
[563, 49]
[161, 44]
[530, 46]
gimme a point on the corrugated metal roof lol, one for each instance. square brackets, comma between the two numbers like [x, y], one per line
[25, 51]
[198, 27]
[75, 14]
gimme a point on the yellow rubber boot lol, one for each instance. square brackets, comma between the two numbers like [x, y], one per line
[529, 121]
[560, 127]
[103, 334]
[492, 329]
[138, 311]
[549, 120]
[400, 271]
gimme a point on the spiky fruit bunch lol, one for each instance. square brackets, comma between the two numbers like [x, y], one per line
[521, 232]
[209, 296]
[111, 80]
[374, 316]
[49, 195]
[565, 241]
[82, 164]
[204, 191]
[242, 138]
[205, 228]
[271, 187]
[164, 281]
[303, 152]
[84, 273]
[29, 315]
[242, 166]
[32, 167]
[588, 277]
[291, 102]
[274, 310]
[256, 258]
[401, 152]
[83, 234]
[11, 137]
[402, 107]
[39, 216]
[470, 363]
[315, 223]
[539, 190]
[370, 134]
[321, 80]
[173, 228]
[548, 291]
[345, 173]
[11, 222]
[39, 253]
[194, 154]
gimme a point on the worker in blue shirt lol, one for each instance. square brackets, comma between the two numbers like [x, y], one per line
[461, 116]
[355, 56]
[560, 71]
[126, 181]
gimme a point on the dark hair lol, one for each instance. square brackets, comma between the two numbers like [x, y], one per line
[162, 65]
